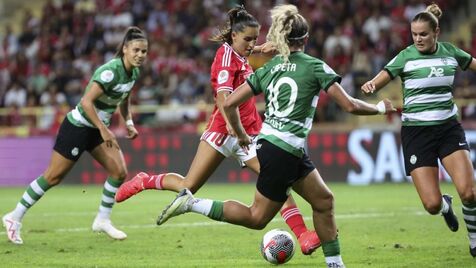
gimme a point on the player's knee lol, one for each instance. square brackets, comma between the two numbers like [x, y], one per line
[324, 204]
[432, 206]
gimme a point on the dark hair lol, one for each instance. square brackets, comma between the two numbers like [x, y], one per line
[431, 15]
[238, 20]
[132, 33]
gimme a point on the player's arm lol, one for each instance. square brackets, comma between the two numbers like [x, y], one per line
[378, 82]
[126, 114]
[87, 102]
[230, 107]
[356, 106]
[472, 65]
[220, 101]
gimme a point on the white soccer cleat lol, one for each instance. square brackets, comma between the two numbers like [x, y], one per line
[181, 204]
[105, 225]
[12, 228]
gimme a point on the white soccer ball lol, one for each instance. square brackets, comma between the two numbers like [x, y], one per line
[277, 246]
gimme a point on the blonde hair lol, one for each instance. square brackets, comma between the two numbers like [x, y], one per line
[288, 28]
[432, 14]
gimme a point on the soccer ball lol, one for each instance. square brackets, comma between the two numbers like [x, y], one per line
[277, 246]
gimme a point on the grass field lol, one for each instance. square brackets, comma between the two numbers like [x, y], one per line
[380, 226]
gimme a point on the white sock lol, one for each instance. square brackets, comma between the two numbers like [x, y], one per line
[19, 212]
[202, 206]
[335, 259]
[472, 239]
[444, 206]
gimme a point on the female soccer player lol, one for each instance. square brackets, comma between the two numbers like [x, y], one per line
[291, 83]
[230, 68]
[430, 130]
[86, 129]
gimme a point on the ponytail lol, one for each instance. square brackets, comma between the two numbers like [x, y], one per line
[238, 20]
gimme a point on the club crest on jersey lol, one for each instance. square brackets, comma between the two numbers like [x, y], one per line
[222, 76]
[445, 61]
[107, 76]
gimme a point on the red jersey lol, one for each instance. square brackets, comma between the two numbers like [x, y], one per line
[230, 70]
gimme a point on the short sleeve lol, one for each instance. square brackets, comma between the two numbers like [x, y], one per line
[395, 66]
[104, 77]
[462, 57]
[253, 81]
[325, 75]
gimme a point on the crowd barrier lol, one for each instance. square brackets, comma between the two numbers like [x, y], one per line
[358, 157]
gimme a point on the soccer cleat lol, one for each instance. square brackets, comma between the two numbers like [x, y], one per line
[309, 242]
[12, 228]
[450, 217]
[181, 204]
[335, 265]
[105, 225]
[131, 187]
[472, 251]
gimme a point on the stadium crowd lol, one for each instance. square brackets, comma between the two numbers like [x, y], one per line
[49, 61]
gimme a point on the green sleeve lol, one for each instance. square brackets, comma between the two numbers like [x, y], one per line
[395, 66]
[325, 75]
[253, 81]
[462, 57]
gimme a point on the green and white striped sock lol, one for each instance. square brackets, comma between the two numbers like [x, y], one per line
[469, 214]
[107, 200]
[33, 193]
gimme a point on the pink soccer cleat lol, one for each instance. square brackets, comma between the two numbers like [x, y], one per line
[131, 187]
[309, 242]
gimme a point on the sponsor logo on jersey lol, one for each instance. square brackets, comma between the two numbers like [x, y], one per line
[222, 76]
[107, 76]
[438, 72]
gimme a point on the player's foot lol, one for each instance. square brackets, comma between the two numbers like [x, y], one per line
[472, 251]
[335, 265]
[309, 242]
[105, 225]
[449, 216]
[12, 228]
[181, 204]
[131, 187]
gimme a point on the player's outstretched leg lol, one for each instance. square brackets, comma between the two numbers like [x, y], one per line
[181, 204]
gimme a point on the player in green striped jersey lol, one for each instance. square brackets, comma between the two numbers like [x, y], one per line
[291, 83]
[85, 128]
[430, 130]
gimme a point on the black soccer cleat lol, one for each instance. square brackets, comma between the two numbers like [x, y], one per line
[472, 251]
[450, 217]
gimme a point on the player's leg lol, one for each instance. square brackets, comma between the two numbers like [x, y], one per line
[57, 169]
[113, 161]
[313, 189]
[256, 216]
[459, 167]
[308, 239]
[205, 162]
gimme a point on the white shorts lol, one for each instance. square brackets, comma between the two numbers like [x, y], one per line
[228, 146]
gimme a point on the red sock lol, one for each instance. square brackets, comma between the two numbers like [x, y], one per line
[153, 182]
[294, 220]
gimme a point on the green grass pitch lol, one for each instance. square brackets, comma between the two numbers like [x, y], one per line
[380, 226]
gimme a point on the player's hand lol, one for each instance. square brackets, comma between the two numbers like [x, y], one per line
[244, 142]
[389, 106]
[368, 87]
[109, 138]
[132, 132]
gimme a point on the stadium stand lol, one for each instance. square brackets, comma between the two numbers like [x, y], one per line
[50, 48]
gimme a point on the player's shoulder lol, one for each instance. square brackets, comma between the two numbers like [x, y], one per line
[225, 56]
[108, 71]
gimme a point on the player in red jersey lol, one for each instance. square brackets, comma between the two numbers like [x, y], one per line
[229, 70]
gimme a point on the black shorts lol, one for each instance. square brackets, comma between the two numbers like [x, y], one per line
[72, 140]
[279, 170]
[424, 145]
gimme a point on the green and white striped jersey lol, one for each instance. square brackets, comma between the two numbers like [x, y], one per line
[291, 93]
[427, 83]
[116, 84]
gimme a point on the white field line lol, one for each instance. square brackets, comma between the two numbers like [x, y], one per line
[215, 223]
